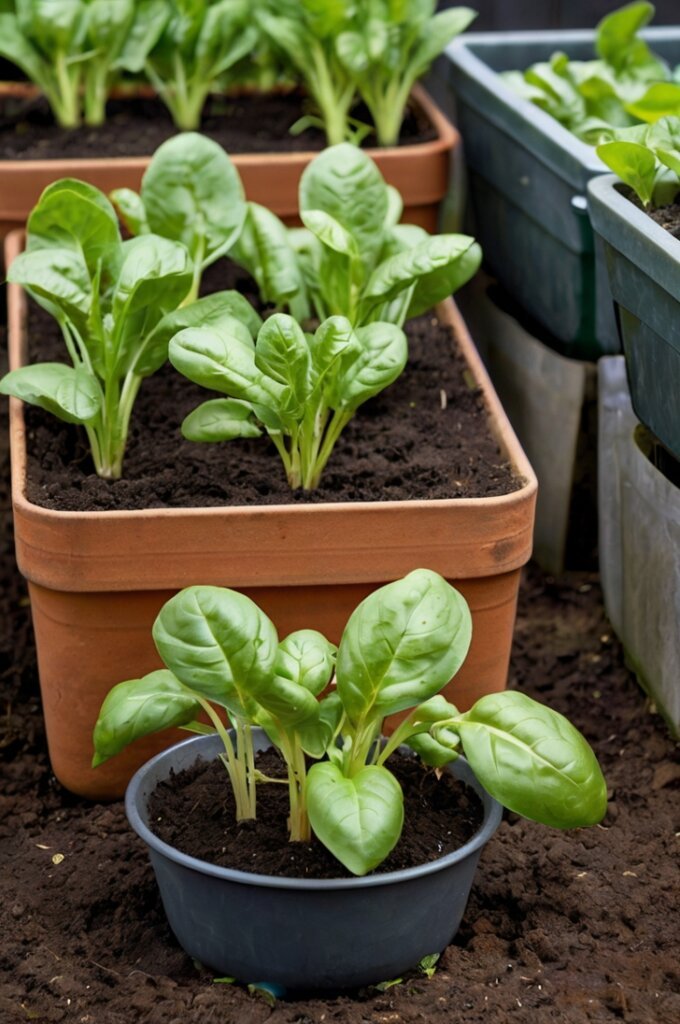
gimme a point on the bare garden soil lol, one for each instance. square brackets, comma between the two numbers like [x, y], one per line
[576, 928]
[136, 127]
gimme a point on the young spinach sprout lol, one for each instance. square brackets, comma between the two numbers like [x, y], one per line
[118, 304]
[301, 389]
[73, 50]
[646, 157]
[624, 85]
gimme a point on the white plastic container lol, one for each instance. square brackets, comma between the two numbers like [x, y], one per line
[639, 542]
[551, 402]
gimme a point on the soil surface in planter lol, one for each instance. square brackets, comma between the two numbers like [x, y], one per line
[426, 436]
[562, 928]
[136, 127]
[667, 217]
[194, 811]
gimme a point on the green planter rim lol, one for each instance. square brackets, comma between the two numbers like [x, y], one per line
[554, 144]
[633, 233]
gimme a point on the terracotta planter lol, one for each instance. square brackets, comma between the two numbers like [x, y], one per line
[420, 173]
[98, 579]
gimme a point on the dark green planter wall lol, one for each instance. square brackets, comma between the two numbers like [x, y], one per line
[643, 262]
[527, 179]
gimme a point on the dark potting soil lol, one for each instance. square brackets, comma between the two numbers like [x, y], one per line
[136, 127]
[426, 436]
[194, 811]
[561, 928]
[667, 217]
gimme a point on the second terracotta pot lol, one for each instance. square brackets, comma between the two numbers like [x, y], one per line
[421, 172]
[98, 579]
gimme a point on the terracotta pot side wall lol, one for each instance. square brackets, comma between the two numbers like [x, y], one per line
[420, 172]
[89, 642]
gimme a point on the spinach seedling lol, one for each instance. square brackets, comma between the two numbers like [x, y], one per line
[74, 49]
[400, 647]
[201, 43]
[353, 258]
[626, 84]
[301, 389]
[306, 31]
[221, 651]
[646, 158]
[388, 46]
[117, 304]
[191, 193]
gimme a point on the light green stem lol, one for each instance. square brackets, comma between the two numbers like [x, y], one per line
[66, 101]
[338, 423]
[298, 822]
[333, 103]
[387, 109]
[96, 92]
[237, 762]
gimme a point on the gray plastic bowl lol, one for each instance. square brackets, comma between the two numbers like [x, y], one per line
[305, 934]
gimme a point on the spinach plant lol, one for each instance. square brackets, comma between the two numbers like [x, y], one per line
[647, 159]
[73, 49]
[221, 651]
[389, 45]
[301, 389]
[117, 304]
[306, 31]
[400, 647]
[201, 43]
[191, 193]
[625, 85]
[353, 258]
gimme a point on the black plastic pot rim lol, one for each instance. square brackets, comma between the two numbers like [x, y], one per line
[491, 822]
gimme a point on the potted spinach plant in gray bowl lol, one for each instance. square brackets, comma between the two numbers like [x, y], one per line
[322, 711]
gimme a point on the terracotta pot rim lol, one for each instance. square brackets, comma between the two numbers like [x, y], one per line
[447, 138]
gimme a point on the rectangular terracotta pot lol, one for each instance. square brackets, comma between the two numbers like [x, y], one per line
[98, 579]
[421, 173]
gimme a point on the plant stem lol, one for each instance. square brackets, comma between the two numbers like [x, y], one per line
[96, 93]
[237, 762]
[65, 102]
[298, 821]
[338, 423]
[333, 103]
[365, 735]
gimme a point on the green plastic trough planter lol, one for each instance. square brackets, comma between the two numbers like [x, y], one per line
[643, 262]
[527, 180]
[299, 933]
